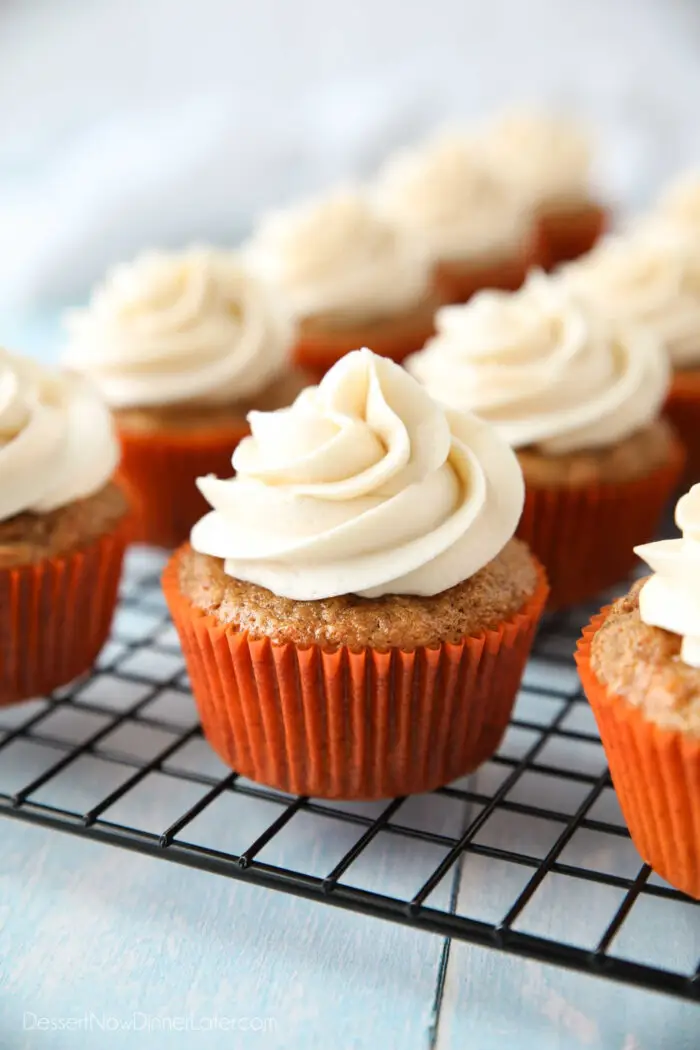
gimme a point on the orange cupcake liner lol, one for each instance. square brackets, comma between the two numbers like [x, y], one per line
[565, 235]
[317, 349]
[55, 616]
[158, 471]
[458, 281]
[584, 535]
[352, 724]
[656, 774]
[683, 409]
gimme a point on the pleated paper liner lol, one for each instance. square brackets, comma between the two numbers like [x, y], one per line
[656, 774]
[319, 347]
[55, 616]
[352, 724]
[459, 280]
[584, 535]
[158, 472]
[683, 409]
[565, 235]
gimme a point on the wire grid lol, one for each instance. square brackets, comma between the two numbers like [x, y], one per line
[528, 855]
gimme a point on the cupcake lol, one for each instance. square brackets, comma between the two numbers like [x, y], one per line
[639, 662]
[354, 612]
[351, 275]
[182, 346]
[652, 277]
[579, 400]
[62, 527]
[465, 211]
[549, 161]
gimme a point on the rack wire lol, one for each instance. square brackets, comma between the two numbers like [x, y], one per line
[529, 855]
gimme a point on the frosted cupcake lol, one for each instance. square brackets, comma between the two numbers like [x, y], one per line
[549, 160]
[580, 400]
[652, 278]
[182, 346]
[640, 665]
[354, 612]
[466, 212]
[62, 527]
[351, 275]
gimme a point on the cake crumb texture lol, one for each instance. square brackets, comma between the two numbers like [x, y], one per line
[492, 595]
[28, 538]
[643, 664]
[374, 326]
[199, 416]
[637, 456]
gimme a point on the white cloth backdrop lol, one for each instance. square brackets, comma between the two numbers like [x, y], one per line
[126, 124]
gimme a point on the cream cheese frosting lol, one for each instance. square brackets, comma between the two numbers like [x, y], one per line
[680, 202]
[195, 326]
[455, 199]
[543, 368]
[650, 277]
[548, 157]
[671, 597]
[339, 255]
[57, 440]
[364, 486]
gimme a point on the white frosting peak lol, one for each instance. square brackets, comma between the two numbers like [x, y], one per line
[650, 277]
[451, 195]
[57, 440]
[192, 326]
[363, 486]
[548, 156]
[671, 598]
[338, 255]
[680, 203]
[543, 368]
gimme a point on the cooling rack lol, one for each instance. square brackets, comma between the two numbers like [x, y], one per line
[529, 855]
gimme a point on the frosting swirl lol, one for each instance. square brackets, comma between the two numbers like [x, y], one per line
[338, 255]
[363, 486]
[455, 199]
[548, 157]
[680, 203]
[671, 598]
[192, 326]
[649, 278]
[57, 440]
[543, 369]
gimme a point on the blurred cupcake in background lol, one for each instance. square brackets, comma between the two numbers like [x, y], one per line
[464, 209]
[352, 276]
[579, 400]
[549, 160]
[62, 527]
[639, 662]
[651, 277]
[182, 346]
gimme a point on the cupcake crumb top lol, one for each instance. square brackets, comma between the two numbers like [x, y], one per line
[495, 593]
[636, 456]
[643, 664]
[196, 417]
[28, 538]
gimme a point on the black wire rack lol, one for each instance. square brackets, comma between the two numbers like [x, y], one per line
[529, 855]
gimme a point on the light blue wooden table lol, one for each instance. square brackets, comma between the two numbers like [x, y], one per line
[104, 948]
